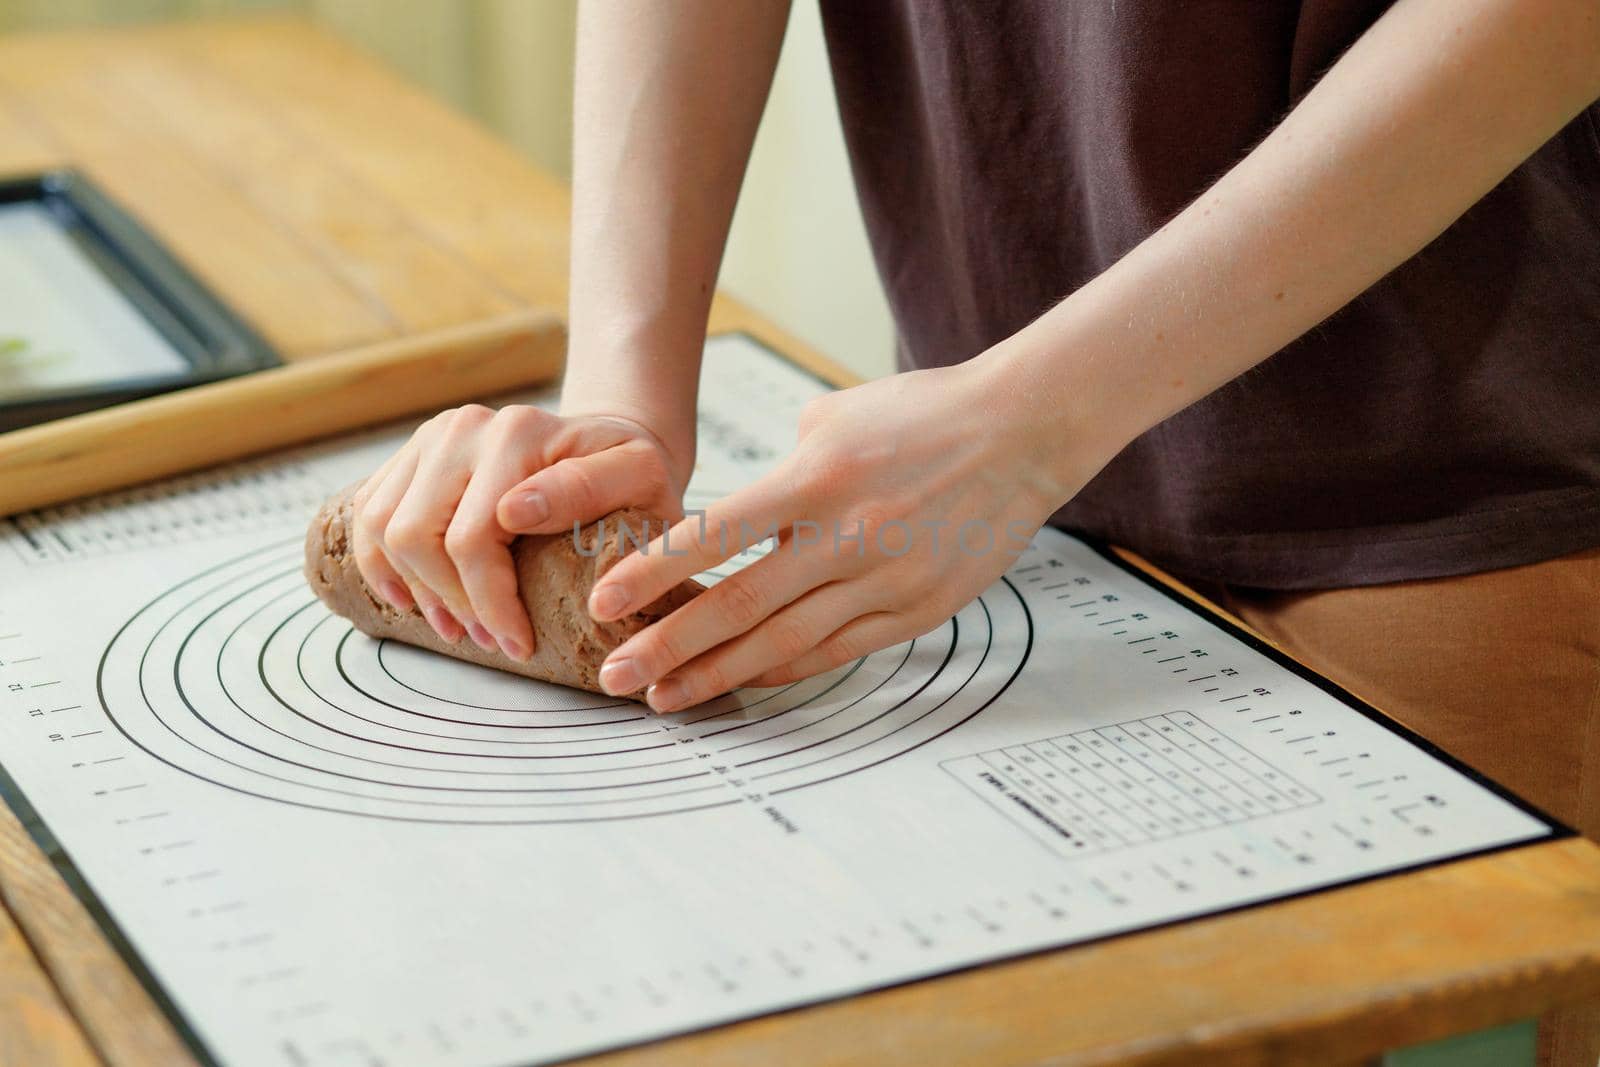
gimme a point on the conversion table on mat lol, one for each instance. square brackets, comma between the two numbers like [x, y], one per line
[321, 849]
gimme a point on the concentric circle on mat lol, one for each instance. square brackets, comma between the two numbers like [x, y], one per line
[240, 677]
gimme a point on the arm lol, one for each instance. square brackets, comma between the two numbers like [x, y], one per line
[668, 97]
[1426, 112]
[1424, 115]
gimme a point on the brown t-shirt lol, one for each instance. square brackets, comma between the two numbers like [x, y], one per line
[1447, 421]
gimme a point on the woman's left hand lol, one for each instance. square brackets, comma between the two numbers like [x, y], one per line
[905, 498]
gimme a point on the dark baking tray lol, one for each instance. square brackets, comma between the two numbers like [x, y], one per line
[215, 341]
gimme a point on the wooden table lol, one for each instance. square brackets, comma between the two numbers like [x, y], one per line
[336, 206]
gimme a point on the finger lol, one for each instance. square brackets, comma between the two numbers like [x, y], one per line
[414, 537]
[730, 608]
[428, 604]
[785, 637]
[371, 509]
[744, 518]
[373, 521]
[584, 488]
[857, 638]
[444, 623]
[481, 551]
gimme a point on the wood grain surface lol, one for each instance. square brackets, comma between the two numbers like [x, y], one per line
[341, 209]
[335, 211]
[35, 1026]
[107, 1008]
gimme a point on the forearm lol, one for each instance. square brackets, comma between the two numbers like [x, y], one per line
[667, 100]
[1426, 113]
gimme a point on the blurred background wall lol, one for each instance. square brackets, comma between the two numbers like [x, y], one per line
[798, 251]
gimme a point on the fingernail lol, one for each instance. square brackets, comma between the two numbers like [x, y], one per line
[529, 509]
[396, 594]
[444, 624]
[619, 676]
[514, 648]
[667, 695]
[607, 602]
[481, 637]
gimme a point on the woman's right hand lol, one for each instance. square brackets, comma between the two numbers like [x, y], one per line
[433, 526]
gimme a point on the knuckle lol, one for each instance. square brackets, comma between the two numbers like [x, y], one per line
[577, 485]
[815, 412]
[463, 421]
[880, 525]
[649, 463]
[740, 603]
[513, 415]
[662, 652]
[517, 421]
[370, 528]
[785, 675]
[791, 638]
[842, 647]
[406, 536]
[709, 680]
[466, 537]
[829, 471]
[565, 435]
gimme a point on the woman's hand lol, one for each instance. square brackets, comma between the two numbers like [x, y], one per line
[433, 526]
[905, 498]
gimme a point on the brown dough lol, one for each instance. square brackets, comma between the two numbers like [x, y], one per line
[554, 579]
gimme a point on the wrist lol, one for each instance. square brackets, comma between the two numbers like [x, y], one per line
[676, 445]
[1065, 418]
[673, 433]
